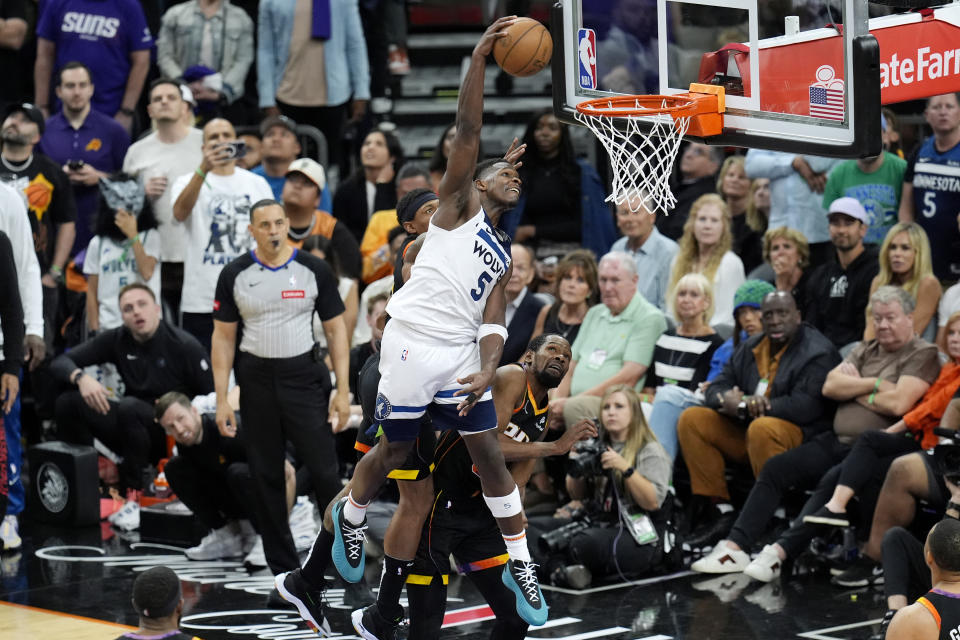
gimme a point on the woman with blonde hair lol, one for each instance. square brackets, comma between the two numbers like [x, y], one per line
[735, 187]
[787, 252]
[705, 248]
[682, 355]
[905, 262]
[576, 283]
[632, 466]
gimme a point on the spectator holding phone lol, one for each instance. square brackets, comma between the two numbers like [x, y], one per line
[214, 203]
[87, 144]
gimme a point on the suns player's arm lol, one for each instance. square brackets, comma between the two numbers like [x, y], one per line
[410, 256]
[913, 622]
[456, 187]
[509, 389]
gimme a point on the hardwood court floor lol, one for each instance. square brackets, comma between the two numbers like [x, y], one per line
[89, 573]
[21, 621]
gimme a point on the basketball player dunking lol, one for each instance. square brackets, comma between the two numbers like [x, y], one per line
[441, 348]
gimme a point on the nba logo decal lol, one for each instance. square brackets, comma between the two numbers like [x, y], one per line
[403, 354]
[587, 57]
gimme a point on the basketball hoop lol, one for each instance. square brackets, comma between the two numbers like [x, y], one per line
[643, 140]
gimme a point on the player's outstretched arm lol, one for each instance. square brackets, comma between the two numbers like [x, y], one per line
[458, 180]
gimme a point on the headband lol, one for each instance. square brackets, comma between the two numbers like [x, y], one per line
[408, 212]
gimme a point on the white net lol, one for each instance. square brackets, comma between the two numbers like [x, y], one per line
[642, 160]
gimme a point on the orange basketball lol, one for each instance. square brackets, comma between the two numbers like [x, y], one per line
[525, 50]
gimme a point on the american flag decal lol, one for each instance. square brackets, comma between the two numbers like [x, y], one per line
[826, 103]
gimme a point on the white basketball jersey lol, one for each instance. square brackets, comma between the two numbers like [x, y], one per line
[451, 279]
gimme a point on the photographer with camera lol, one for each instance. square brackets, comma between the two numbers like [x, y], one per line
[214, 204]
[619, 482]
[766, 401]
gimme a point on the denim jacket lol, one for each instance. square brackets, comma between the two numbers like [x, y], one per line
[181, 32]
[345, 53]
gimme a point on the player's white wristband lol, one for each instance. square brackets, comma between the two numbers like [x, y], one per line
[488, 329]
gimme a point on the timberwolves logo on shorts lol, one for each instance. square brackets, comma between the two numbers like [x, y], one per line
[383, 408]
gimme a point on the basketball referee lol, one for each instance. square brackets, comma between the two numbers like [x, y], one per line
[274, 291]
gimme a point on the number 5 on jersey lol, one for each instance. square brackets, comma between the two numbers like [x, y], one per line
[482, 281]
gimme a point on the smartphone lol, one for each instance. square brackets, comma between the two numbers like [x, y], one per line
[75, 165]
[236, 149]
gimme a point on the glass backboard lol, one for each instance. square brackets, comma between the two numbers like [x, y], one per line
[801, 76]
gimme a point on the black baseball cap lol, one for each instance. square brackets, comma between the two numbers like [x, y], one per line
[28, 109]
[277, 121]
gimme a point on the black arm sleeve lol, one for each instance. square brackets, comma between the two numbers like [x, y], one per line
[97, 350]
[11, 309]
[351, 262]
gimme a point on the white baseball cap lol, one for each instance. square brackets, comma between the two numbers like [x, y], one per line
[849, 207]
[187, 94]
[311, 169]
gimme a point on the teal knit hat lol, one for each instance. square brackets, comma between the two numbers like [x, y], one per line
[751, 294]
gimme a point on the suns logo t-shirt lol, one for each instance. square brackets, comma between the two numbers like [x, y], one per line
[102, 35]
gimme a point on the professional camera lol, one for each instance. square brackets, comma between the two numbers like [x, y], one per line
[586, 461]
[558, 540]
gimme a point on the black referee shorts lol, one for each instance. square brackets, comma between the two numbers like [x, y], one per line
[463, 527]
[419, 462]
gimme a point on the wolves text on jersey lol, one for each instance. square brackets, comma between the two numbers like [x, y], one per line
[494, 260]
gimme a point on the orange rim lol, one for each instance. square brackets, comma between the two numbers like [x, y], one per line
[638, 105]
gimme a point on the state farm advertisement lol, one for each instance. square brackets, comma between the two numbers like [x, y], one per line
[919, 57]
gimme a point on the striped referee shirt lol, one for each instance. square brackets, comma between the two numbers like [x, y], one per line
[276, 304]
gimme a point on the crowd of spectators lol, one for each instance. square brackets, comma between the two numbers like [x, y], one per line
[784, 319]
